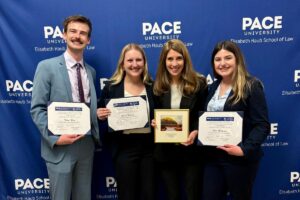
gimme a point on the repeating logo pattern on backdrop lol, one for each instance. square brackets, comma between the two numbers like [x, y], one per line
[295, 86]
[35, 189]
[257, 30]
[155, 34]
[110, 189]
[53, 40]
[16, 92]
[293, 186]
[273, 140]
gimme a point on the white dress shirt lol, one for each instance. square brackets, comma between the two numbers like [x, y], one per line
[70, 63]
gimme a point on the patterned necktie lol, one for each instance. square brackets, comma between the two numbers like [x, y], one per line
[79, 82]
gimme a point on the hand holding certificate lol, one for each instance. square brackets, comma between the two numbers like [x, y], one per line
[66, 118]
[220, 128]
[127, 113]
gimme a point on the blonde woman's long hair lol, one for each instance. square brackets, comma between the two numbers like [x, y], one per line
[119, 74]
[240, 76]
[189, 82]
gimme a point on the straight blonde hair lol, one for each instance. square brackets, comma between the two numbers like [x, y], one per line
[119, 74]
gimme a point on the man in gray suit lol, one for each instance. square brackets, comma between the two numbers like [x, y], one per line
[69, 158]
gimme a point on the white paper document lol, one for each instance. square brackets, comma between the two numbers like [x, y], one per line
[127, 113]
[68, 118]
[220, 128]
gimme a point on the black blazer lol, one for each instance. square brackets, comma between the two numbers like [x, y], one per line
[177, 152]
[116, 139]
[256, 124]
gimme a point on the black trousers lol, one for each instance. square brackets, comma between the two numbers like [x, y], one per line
[222, 177]
[181, 176]
[135, 172]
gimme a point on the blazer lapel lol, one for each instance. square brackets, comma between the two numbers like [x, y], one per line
[120, 89]
[166, 100]
[92, 87]
[63, 70]
[186, 102]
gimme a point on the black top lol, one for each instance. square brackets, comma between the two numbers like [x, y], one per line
[170, 152]
[115, 140]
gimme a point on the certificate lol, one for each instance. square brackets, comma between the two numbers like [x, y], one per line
[172, 125]
[68, 118]
[220, 128]
[127, 113]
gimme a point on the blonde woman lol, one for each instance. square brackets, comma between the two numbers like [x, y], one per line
[178, 86]
[232, 168]
[132, 150]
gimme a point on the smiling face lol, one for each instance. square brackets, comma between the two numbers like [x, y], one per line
[133, 64]
[225, 64]
[174, 64]
[77, 36]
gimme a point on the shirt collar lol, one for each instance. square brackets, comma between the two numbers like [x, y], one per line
[70, 61]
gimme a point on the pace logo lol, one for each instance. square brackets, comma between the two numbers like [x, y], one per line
[272, 141]
[295, 179]
[161, 31]
[16, 92]
[53, 32]
[166, 28]
[273, 134]
[17, 86]
[110, 182]
[38, 183]
[294, 187]
[53, 35]
[33, 187]
[266, 23]
[296, 80]
[19, 90]
[273, 131]
[269, 25]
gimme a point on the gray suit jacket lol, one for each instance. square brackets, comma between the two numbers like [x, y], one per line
[51, 83]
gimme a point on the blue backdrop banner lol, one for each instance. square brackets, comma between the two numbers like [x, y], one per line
[267, 31]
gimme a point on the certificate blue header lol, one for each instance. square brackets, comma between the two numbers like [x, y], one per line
[133, 103]
[219, 118]
[68, 108]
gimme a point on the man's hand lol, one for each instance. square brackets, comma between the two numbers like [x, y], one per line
[68, 139]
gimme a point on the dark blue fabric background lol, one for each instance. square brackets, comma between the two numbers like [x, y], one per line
[30, 31]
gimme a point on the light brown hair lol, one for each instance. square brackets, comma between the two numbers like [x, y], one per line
[189, 82]
[78, 18]
[239, 78]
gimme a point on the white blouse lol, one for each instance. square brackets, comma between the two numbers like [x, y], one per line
[217, 103]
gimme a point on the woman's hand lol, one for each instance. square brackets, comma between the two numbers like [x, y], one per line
[232, 150]
[153, 123]
[103, 113]
[191, 138]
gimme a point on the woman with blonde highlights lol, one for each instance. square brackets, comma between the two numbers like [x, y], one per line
[232, 167]
[132, 149]
[178, 86]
